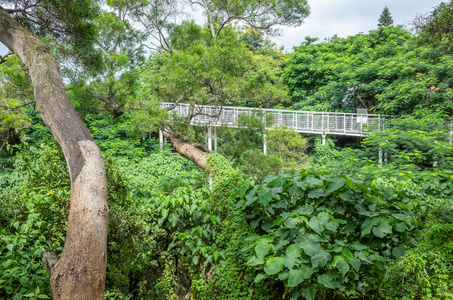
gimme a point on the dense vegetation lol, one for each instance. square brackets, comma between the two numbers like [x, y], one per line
[307, 221]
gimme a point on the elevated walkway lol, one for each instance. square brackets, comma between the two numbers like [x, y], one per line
[323, 123]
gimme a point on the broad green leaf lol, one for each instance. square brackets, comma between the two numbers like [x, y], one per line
[314, 181]
[276, 190]
[291, 259]
[316, 224]
[304, 210]
[355, 263]
[262, 249]
[310, 247]
[382, 228]
[250, 199]
[368, 225]
[295, 277]
[283, 275]
[400, 227]
[346, 253]
[302, 184]
[310, 292]
[255, 261]
[398, 252]
[16, 225]
[17, 297]
[260, 277]
[265, 196]
[295, 190]
[334, 184]
[195, 259]
[24, 280]
[324, 217]
[294, 248]
[320, 259]
[164, 213]
[332, 226]
[341, 264]
[272, 269]
[292, 222]
[173, 218]
[316, 193]
[274, 265]
[326, 280]
[10, 247]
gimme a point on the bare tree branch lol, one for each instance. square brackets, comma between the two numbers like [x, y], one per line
[10, 109]
[3, 58]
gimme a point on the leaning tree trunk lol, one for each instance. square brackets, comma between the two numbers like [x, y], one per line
[188, 150]
[80, 271]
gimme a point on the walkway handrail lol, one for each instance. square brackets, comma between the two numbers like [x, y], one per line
[350, 124]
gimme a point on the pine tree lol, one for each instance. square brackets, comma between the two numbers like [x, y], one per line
[385, 19]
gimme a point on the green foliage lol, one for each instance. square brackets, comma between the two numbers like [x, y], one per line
[15, 92]
[437, 30]
[116, 136]
[120, 55]
[288, 144]
[22, 272]
[421, 142]
[225, 179]
[383, 71]
[259, 14]
[426, 271]
[319, 233]
[216, 71]
[324, 155]
[385, 19]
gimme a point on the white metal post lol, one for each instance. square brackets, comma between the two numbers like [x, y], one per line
[264, 143]
[209, 139]
[215, 138]
[380, 155]
[323, 136]
[161, 141]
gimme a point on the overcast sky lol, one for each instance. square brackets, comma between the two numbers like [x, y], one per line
[346, 17]
[349, 17]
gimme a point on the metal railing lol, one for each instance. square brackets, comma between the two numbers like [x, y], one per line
[301, 121]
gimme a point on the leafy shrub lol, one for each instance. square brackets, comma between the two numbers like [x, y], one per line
[324, 155]
[22, 272]
[426, 271]
[322, 234]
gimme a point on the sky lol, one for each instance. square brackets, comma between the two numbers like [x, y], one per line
[345, 18]
[350, 17]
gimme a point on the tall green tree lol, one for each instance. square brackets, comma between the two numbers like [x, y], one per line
[383, 71]
[120, 50]
[80, 271]
[436, 29]
[160, 16]
[209, 64]
[16, 99]
[385, 19]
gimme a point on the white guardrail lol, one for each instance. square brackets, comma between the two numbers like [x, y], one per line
[349, 124]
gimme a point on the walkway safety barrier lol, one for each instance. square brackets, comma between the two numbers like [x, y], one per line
[350, 124]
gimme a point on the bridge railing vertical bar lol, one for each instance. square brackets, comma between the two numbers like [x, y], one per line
[344, 123]
[328, 126]
[361, 124]
[312, 121]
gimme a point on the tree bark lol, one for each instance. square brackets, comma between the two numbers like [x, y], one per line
[188, 150]
[80, 271]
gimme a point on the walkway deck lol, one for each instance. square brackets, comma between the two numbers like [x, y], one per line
[301, 121]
